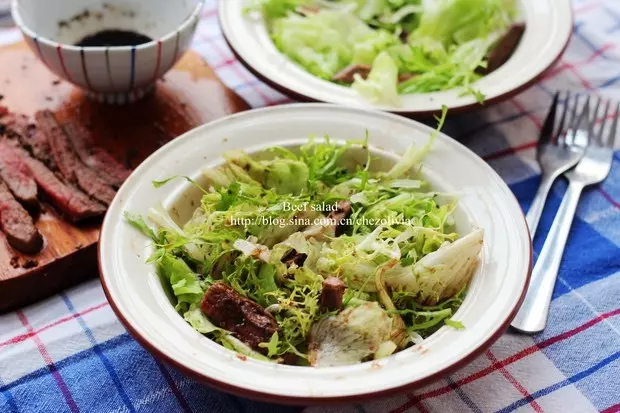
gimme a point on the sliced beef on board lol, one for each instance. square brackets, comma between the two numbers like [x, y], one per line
[96, 158]
[73, 204]
[17, 177]
[68, 162]
[17, 225]
[243, 317]
[19, 127]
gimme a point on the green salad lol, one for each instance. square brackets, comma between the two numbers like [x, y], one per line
[384, 48]
[297, 258]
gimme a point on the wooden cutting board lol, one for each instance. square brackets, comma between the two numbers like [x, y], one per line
[186, 97]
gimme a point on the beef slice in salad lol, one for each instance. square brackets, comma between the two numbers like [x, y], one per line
[247, 320]
[332, 293]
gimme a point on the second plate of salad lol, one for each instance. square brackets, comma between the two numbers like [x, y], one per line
[403, 56]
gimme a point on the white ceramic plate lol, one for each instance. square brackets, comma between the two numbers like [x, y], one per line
[549, 26]
[139, 300]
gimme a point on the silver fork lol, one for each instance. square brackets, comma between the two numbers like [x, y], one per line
[559, 149]
[592, 169]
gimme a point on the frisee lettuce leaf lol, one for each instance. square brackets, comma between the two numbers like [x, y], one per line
[381, 84]
[138, 223]
[454, 324]
[272, 345]
[184, 282]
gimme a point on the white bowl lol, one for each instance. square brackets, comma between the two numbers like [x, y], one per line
[549, 26]
[139, 300]
[110, 74]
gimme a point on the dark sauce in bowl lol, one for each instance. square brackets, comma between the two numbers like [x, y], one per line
[114, 37]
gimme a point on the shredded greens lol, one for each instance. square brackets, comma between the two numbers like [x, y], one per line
[413, 46]
[396, 250]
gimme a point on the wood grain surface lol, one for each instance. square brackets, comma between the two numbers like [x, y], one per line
[186, 97]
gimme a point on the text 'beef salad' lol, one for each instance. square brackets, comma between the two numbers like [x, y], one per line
[299, 260]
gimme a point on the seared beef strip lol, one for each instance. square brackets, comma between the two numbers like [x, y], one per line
[505, 47]
[69, 163]
[231, 311]
[340, 215]
[404, 36]
[17, 177]
[405, 76]
[347, 75]
[101, 161]
[19, 127]
[331, 294]
[308, 10]
[294, 257]
[17, 225]
[72, 203]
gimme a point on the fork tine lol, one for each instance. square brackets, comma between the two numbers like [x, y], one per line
[582, 123]
[599, 138]
[574, 121]
[614, 127]
[546, 133]
[561, 130]
[595, 115]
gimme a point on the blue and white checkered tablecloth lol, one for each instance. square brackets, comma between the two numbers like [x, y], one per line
[70, 353]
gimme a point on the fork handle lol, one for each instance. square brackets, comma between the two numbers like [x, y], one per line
[532, 316]
[538, 204]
